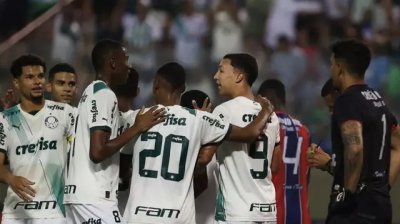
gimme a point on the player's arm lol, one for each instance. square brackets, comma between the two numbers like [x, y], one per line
[200, 178]
[200, 182]
[20, 185]
[125, 171]
[351, 132]
[102, 147]
[394, 155]
[252, 131]
[318, 158]
[276, 159]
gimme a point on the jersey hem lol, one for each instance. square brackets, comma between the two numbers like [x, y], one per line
[247, 219]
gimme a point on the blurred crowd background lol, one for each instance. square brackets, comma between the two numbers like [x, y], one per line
[289, 38]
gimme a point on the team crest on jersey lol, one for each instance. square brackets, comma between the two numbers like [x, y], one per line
[51, 122]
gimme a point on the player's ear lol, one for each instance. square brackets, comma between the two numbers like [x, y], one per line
[240, 77]
[113, 63]
[48, 87]
[16, 84]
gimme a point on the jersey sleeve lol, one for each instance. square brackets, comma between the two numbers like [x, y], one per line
[222, 113]
[100, 110]
[346, 108]
[275, 122]
[3, 134]
[213, 128]
[127, 122]
[70, 117]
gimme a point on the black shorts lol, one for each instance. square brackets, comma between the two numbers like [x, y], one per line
[371, 207]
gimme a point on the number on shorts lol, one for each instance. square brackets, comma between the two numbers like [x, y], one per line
[116, 216]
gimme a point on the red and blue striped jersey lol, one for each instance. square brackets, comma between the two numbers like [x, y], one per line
[291, 181]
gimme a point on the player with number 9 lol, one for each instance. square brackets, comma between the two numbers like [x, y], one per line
[245, 192]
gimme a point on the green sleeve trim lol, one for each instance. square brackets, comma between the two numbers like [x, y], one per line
[103, 128]
[99, 86]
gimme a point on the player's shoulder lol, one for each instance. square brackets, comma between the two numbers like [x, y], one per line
[12, 111]
[99, 85]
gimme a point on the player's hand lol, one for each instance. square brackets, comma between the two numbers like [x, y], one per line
[145, 120]
[9, 99]
[342, 202]
[316, 157]
[22, 187]
[266, 106]
[205, 107]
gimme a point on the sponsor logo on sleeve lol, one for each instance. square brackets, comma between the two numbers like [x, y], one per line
[94, 111]
[213, 122]
[2, 134]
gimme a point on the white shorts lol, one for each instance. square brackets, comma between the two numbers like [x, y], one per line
[244, 222]
[93, 213]
[34, 221]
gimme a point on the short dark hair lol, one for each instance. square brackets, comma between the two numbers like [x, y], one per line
[26, 60]
[61, 67]
[129, 88]
[196, 95]
[355, 54]
[174, 74]
[275, 87]
[245, 63]
[102, 50]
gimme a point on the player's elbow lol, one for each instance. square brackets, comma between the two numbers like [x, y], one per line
[95, 156]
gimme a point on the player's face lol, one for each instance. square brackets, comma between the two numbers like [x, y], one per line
[225, 77]
[335, 72]
[63, 87]
[31, 82]
[329, 100]
[121, 66]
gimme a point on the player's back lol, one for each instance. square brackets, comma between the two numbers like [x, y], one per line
[86, 181]
[291, 180]
[246, 192]
[164, 158]
[361, 103]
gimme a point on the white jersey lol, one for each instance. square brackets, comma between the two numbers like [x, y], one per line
[245, 189]
[163, 163]
[36, 146]
[87, 182]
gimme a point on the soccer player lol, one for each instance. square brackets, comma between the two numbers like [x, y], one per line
[125, 94]
[291, 181]
[204, 177]
[246, 193]
[164, 158]
[316, 156]
[62, 83]
[363, 133]
[34, 138]
[92, 174]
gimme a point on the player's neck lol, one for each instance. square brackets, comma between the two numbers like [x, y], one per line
[242, 91]
[104, 77]
[351, 82]
[29, 105]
